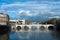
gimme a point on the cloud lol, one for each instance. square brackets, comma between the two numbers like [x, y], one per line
[55, 17]
[33, 8]
[27, 13]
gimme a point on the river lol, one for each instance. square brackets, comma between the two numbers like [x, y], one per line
[34, 35]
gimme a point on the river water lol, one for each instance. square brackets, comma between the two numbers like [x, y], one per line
[34, 35]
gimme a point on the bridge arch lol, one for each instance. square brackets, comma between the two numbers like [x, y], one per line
[26, 28]
[42, 27]
[33, 28]
[18, 28]
[51, 27]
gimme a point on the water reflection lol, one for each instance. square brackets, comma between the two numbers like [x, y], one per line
[34, 35]
[4, 37]
[23, 35]
[56, 35]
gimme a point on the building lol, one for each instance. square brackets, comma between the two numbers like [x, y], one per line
[4, 19]
[4, 23]
[13, 22]
[28, 22]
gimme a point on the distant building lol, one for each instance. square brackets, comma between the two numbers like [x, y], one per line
[28, 22]
[20, 22]
[4, 19]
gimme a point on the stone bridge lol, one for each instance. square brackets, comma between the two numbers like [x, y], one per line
[32, 27]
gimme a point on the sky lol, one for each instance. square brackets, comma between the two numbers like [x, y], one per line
[34, 10]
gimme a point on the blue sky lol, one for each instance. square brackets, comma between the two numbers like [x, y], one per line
[35, 10]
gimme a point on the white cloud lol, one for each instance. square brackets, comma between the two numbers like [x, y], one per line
[27, 13]
[55, 17]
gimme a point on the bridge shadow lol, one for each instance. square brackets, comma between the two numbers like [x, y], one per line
[4, 32]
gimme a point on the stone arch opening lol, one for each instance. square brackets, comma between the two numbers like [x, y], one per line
[18, 28]
[51, 28]
[34, 28]
[26, 28]
[42, 28]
